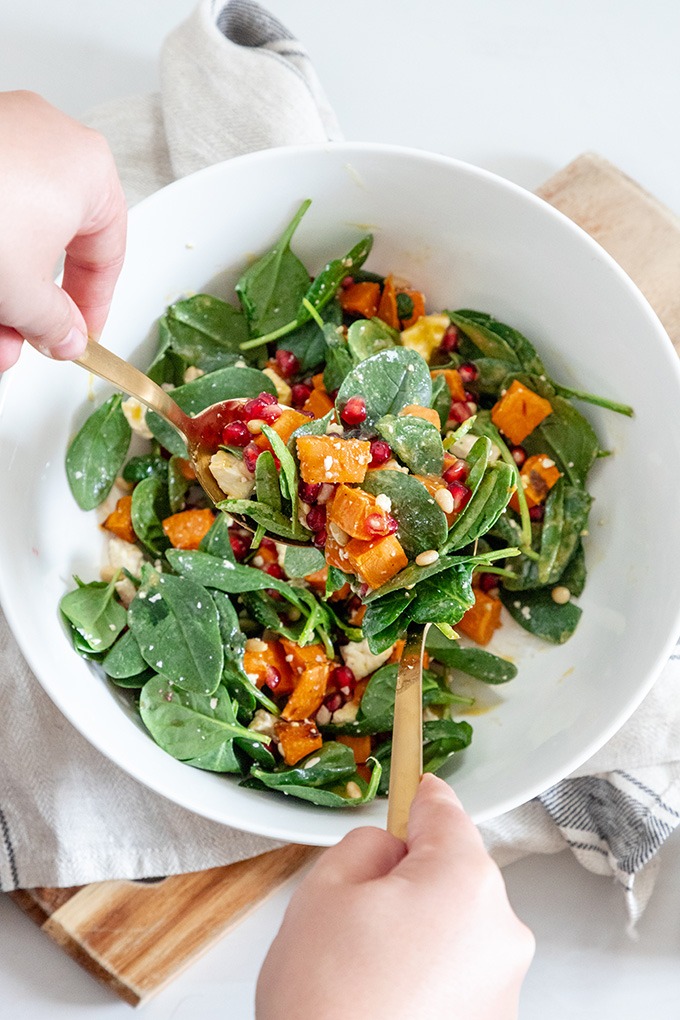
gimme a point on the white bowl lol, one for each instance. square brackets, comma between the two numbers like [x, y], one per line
[469, 239]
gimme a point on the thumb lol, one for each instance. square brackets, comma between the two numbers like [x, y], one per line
[55, 324]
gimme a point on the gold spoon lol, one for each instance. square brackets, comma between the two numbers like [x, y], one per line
[406, 766]
[130, 380]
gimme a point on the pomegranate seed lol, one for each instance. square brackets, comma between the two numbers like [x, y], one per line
[519, 455]
[255, 408]
[300, 394]
[319, 539]
[270, 413]
[450, 340]
[274, 570]
[239, 546]
[273, 594]
[326, 492]
[316, 518]
[468, 372]
[537, 513]
[487, 582]
[460, 411]
[342, 677]
[377, 523]
[334, 701]
[268, 543]
[235, 434]
[287, 363]
[309, 492]
[392, 526]
[461, 494]
[250, 455]
[354, 411]
[380, 452]
[457, 472]
[272, 678]
[347, 281]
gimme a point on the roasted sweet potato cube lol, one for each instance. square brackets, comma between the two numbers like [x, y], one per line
[360, 299]
[360, 747]
[377, 561]
[318, 403]
[301, 657]
[284, 426]
[188, 528]
[332, 459]
[264, 662]
[539, 473]
[519, 411]
[453, 381]
[119, 521]
[427, 413]
[297, 740]
[310, 690]
[480, 622]
[351, 509]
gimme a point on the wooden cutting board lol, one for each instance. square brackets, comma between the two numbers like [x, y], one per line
[135, 937]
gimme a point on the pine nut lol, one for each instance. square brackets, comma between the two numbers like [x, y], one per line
[444, 500]
[424, 559]
[560, 595]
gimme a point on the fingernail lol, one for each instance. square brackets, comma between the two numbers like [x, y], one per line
[72, 346]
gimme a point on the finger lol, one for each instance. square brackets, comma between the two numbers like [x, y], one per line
[440, 833]
[55, 326]
[94, 260]
[10, 347]
[362, 855]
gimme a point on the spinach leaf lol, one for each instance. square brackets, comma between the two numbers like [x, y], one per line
[178, 483]
[340, 794]
[205, 331]
[175, 622]
[96, 453]
[308, 342]
[442, 738]
[483, 327]
[366, 337]
[339, 361]
[332, 763]
[566, 516]
[124, 659]
[325, 285]
[144, 466]
[272, 288]
[485, 507]
[574, 575]
[299, 561]
[217, 541]
[224, 384]
[272, 521]
[536, 612]
[485, 339]
[422, 522]
[441, 399]
[387, 381]
[571, 439]
[476, 662]
[233, 674]
[150, 506]
[194, 728]
[415, 441]
[444, 599]
[267, 487]
[94, 616]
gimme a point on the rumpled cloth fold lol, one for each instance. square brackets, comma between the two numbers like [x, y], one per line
[234, 80]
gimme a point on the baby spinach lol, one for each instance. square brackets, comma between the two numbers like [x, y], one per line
[387, 381]
[124, 659]
[175, 622]
[150, 506]
[570, 438]
[340, 794]
[272, 521]
[441, 399]
[267, 487]
[144, 466]
[475, 662]
[330, 764]
[422, 522]
[96, 453]
[94, 615]
[178, 483]
[205, 331]
[415, 441]
[338, 360]
[485, 507]
[217, 542]
[566, 516]
[299, 561]
[194, 728]
[537, 612]
[272, 288]
[444, 599]
[442, 738]
[366, 337]
[308, 342]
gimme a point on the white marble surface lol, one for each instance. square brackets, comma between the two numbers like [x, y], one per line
[519, 87]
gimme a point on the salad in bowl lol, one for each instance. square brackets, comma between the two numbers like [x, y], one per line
[383, 464]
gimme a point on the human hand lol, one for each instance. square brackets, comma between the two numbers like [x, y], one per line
[59, 191]
[384, 929]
